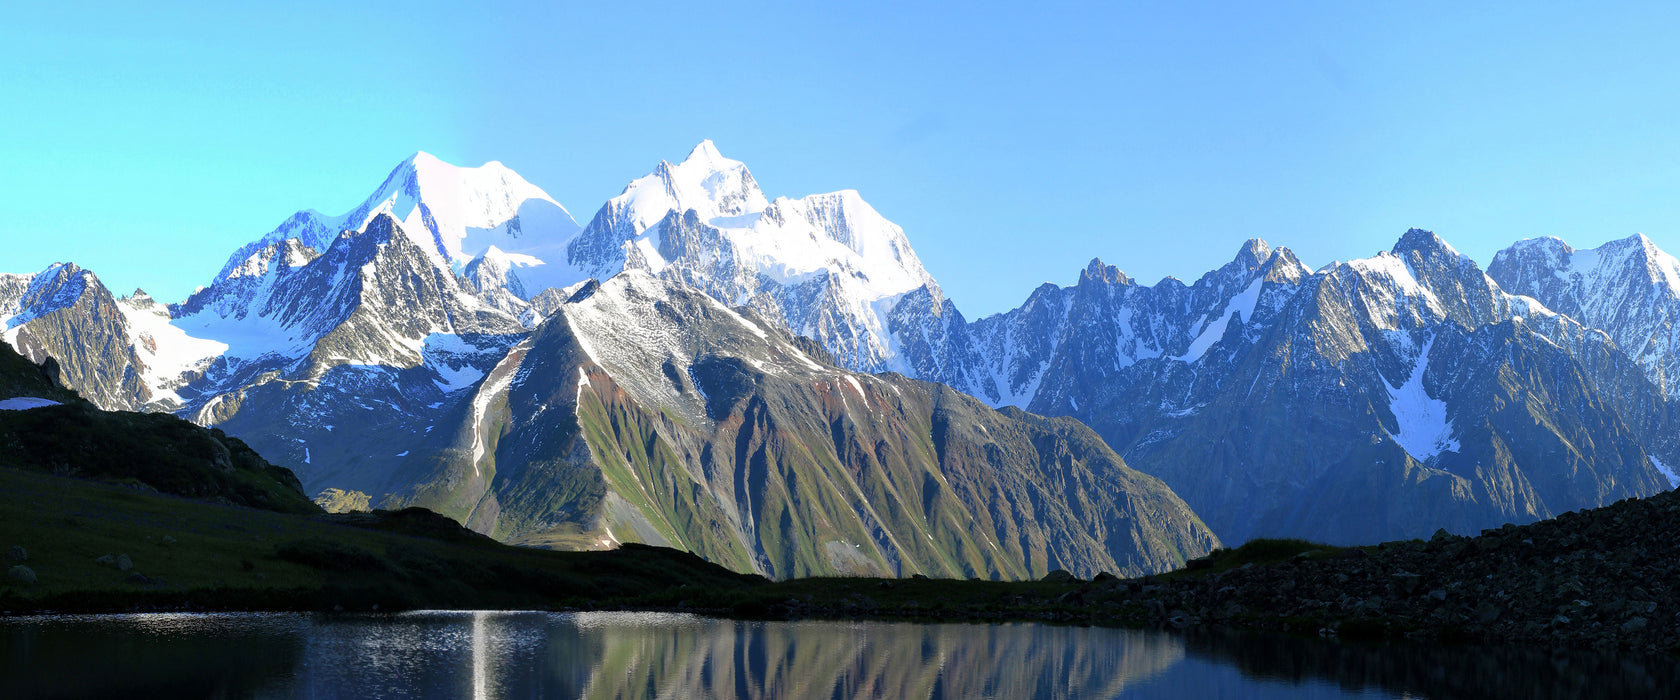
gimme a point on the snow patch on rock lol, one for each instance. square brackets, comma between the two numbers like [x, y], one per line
[1424, 429]
[1667, 471]
[1243, 303]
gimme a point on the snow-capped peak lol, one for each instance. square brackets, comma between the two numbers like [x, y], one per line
[1608, 264]
[1663, 268]
[705, 181]
[830, 265]
[787, 240]
[706, 153]
[454, 213]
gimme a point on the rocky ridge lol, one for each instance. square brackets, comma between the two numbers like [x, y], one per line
[1367, 400]
[1599, 577]
[1629, 288]
[645, 411]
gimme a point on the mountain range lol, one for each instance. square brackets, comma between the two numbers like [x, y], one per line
[780, 386]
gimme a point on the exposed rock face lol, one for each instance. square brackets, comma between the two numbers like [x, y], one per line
[369, 338]
[341, 501]
[1628, 288]
[65, 313]
[649, 412]
[73, 437]
[1369, 400]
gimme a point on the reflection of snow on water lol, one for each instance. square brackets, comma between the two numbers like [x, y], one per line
[663, 655]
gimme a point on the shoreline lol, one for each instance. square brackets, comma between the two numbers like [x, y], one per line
[1607, 578]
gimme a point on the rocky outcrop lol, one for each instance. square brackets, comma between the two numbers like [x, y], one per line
[1600, 577]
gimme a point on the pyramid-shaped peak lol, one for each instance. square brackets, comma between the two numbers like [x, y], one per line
[421, 164]
[1662, 267]
[380, 226]
[1283, 266]
[1254, 253]
[66, 269]
[1635, 241]
[704, 162]
[705, 151]
[704, 181]
[1424, 242]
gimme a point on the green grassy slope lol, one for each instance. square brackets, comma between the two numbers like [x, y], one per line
[156, 451]
[719, 437]
[196, 555]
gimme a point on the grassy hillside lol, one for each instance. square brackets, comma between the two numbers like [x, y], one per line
[720, 435]
[149, 450]
[188, 554]
[20, 377]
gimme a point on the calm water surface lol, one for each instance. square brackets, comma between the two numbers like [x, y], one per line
[655, 655]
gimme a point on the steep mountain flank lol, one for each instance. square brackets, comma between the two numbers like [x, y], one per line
[1628, 288]
[385, 352]
[65, 313]
[1370, 400]
[367, 344]
[645, 411]
[826, 266]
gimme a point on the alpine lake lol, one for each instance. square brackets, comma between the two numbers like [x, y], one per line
[671, 655]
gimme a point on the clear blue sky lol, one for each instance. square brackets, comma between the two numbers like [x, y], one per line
[1012, 142]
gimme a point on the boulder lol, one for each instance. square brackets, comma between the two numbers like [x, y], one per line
[1059, 576]
[21, 574]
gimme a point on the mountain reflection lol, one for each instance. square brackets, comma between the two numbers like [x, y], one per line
[640, 657]
[587, 655]
[654, 655]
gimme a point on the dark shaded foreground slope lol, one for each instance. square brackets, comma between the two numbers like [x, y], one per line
[1601, 578]
[151, 451]
[1604, 578]
[169, 553]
